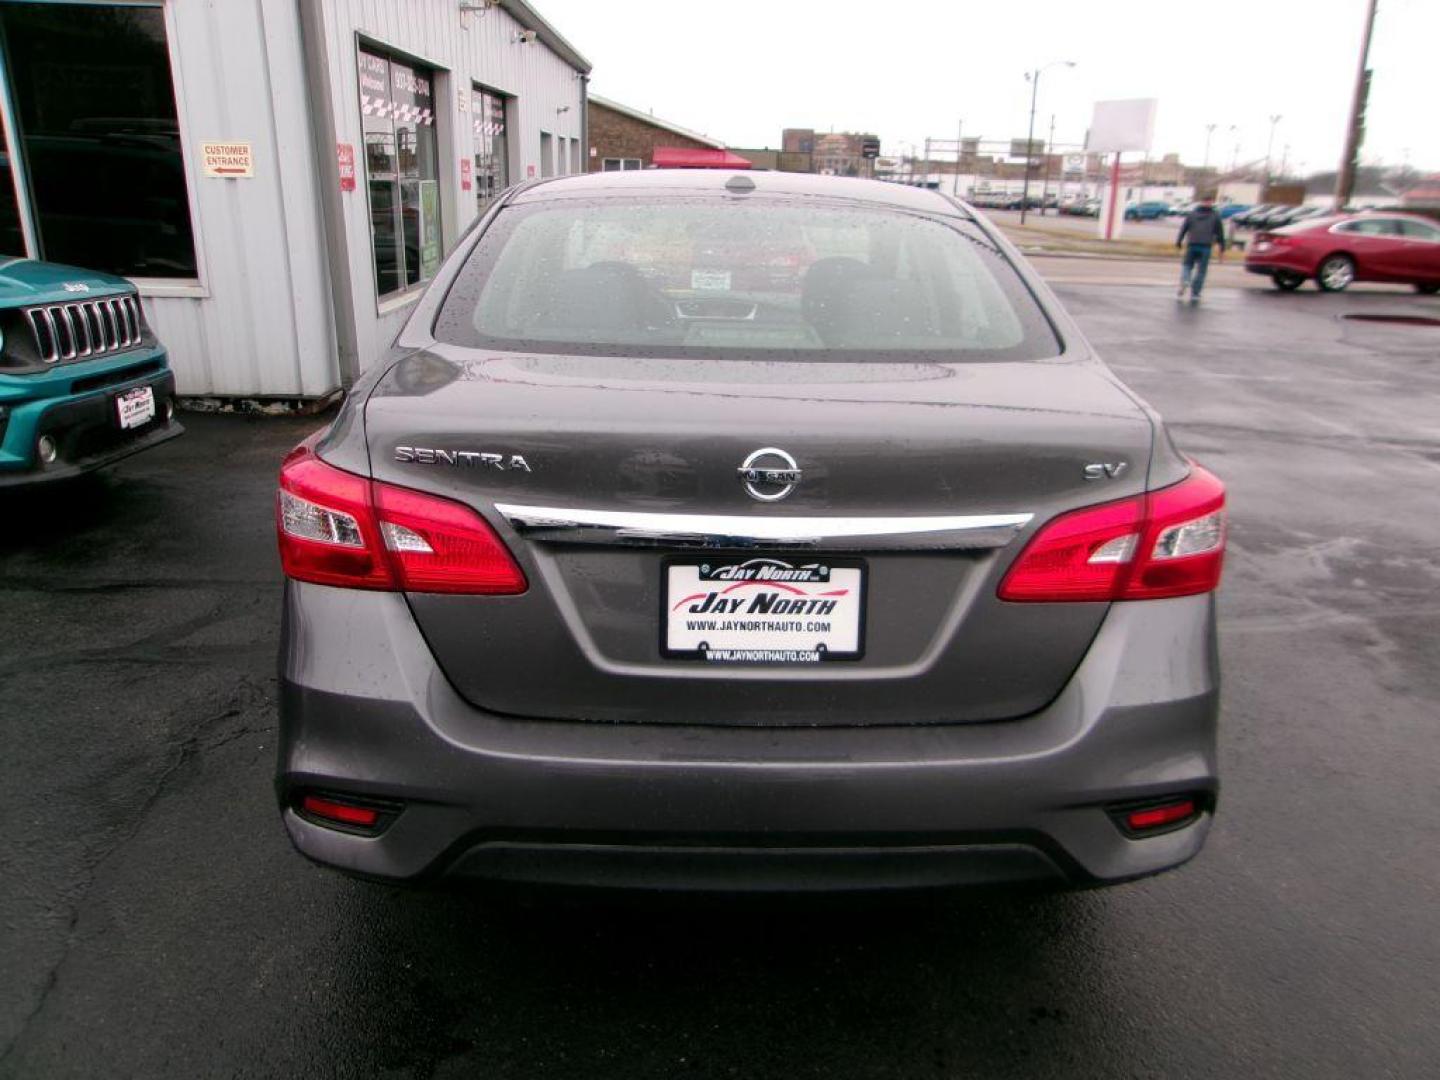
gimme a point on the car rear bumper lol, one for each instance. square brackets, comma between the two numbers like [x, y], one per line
[1269, 262]
[365, 712]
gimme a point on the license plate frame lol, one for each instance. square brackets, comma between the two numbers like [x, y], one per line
[784, 648]
[135, 407]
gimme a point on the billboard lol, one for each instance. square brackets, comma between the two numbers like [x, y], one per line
[1018, 148]
[1123, 125]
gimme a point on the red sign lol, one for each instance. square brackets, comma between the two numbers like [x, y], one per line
[345, 158]
[465, 164]
[529, 170]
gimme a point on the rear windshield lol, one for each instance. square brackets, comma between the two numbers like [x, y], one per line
[741, 279]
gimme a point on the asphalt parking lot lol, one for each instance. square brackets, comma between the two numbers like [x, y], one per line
[154, 921]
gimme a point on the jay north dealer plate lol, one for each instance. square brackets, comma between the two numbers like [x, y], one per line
[763, 610]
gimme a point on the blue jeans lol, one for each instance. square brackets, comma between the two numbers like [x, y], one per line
[1197, 261]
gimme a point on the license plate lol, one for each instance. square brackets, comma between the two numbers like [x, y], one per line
[763, 610]
[135, 407]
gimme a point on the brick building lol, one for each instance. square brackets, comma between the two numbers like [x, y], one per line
[625, 138]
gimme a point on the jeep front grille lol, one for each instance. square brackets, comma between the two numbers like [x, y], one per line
[84, 328]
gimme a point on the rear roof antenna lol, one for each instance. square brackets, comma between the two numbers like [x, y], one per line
[739, 184]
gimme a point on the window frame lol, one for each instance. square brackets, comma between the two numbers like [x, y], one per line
[385, 303]
[507, 110]
[197, 287]
[622, 164]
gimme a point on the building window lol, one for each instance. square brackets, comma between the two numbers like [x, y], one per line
[615, 164]
[99, 137]
[492, 162]
[397, 108]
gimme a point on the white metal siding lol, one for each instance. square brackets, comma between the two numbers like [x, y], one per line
[466, 47]
[262, 324]
[264, 327]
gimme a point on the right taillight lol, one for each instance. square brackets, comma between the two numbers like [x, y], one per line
[336, 528]
[1164, 543]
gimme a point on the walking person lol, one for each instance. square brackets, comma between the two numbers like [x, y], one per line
[1204, 228]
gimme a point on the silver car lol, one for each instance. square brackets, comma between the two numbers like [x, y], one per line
[724, 531]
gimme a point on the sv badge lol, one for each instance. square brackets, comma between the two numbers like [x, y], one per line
[1105, 470]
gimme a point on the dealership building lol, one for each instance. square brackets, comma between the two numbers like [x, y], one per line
[280, 178]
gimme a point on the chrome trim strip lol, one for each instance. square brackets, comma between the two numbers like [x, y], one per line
[54, 354]
[625, 526]
[111, 323]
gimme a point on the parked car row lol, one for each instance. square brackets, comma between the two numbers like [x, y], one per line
[1004, 200]
[1272, 216]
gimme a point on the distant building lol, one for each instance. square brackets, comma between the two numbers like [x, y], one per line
[624, 138]
[1424, 195]
[832, 153]
[798, 140]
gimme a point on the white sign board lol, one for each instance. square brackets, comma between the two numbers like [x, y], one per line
[231, 160]
[1118, 126]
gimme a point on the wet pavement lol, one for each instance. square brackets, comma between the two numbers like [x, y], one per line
[154, 921]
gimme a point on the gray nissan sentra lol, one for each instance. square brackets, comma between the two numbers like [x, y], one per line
[722, 531]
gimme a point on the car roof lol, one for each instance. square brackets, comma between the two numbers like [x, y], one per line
[662, 182]
[1376, 211]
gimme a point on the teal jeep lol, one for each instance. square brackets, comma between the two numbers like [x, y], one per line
[83, 381]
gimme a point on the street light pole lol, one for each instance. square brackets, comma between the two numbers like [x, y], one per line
[1034, 78]
[1209, 133]
[1029, 146]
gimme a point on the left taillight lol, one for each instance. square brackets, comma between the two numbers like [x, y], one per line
[1165, 543]
[337, 528]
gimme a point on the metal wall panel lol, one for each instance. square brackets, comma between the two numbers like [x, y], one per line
[263, 324]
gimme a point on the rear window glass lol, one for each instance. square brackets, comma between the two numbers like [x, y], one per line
[751, 279]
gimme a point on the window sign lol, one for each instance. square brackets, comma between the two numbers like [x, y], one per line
[345, 162]
[429, 228]
[397, 109]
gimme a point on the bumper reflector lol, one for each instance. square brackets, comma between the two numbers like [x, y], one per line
[361, 817]
[1153, 818]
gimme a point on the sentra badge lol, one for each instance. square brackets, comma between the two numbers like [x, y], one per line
[482, 459]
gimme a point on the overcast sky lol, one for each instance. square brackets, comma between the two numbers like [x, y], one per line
[740, 70]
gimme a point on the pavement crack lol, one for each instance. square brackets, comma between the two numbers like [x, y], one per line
[187, 751]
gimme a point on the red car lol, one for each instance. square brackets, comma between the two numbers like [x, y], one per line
[1338, 249]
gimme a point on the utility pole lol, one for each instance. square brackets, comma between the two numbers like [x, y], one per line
[1270, 147]
[1049, 150]
[1345, 178]
[1209, 132]
[925, 179]
[1235, 148]
[955, 183]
